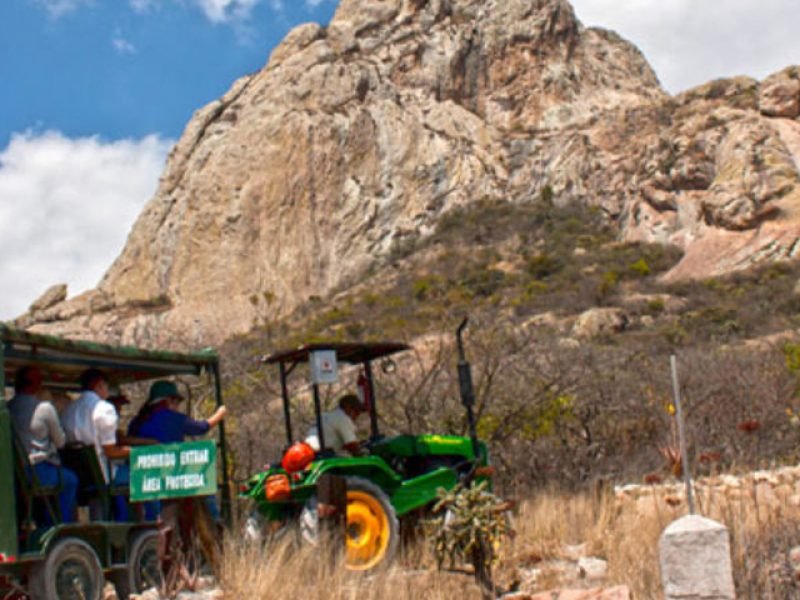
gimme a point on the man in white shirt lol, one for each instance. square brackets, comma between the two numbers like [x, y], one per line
[338, 427]
[94, 421]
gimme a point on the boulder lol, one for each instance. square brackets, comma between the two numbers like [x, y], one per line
[779, 95]
[52, 296]
[597, 321]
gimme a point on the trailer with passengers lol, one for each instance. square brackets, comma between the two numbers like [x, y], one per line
[59, 560]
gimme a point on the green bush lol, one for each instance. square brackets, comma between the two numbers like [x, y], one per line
[641, 268]
[543, 266]
[427, 287]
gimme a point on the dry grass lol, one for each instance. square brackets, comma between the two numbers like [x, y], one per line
[286, 571]
[549, 527]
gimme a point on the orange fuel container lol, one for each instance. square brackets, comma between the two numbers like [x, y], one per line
[277, 488]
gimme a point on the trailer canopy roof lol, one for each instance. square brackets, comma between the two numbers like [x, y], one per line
[62, 360]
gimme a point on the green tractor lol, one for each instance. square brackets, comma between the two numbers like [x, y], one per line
[395, 478]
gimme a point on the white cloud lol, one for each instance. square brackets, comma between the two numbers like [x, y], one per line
[122, 45]
[226, 11]
[144, 6]
[689, 42]
[66, 208]
[57, 8]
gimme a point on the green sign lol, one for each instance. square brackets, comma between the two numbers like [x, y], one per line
[173, 471]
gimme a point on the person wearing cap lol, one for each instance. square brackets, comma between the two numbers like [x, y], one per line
[339, 428]
[159, 419]
[37, 426]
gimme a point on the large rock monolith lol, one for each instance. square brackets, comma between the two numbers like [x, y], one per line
[696, 560]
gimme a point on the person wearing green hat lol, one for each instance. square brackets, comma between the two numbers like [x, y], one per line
[159, 418]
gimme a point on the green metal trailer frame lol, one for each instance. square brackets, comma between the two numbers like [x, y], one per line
[61, 362]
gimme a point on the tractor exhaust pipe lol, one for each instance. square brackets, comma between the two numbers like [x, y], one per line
[466, 388]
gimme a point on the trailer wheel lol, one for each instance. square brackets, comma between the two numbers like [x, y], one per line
[70, 571]
[144, 568]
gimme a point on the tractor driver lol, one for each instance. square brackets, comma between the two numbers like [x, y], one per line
[338, 427]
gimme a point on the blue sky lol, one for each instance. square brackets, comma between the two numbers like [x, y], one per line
[95, 93]
[121, 69]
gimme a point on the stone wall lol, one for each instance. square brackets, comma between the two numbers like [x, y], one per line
[770, 489]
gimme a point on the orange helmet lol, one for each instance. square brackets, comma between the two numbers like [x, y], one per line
[298, 456]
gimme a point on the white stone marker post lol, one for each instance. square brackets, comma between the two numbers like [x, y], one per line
[696, 560]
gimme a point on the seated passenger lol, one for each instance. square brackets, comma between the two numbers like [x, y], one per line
[338, 427]
[93, 421]
[36, 423]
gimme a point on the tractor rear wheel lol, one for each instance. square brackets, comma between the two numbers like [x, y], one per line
[372, 532]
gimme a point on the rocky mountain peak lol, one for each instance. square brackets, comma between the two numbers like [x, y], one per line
[357, 137]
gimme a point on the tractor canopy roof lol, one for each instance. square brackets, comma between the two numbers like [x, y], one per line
[352, 353]
[62, 360]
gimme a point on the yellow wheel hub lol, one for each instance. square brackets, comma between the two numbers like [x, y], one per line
[368, 531]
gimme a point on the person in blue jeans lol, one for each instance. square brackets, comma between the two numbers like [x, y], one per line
[159, 419]
[121, 468]
[37, 425]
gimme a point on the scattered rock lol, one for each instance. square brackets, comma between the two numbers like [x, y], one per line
[568, 343]
[575, 552]
[592, 569]
[794, 557]
[619, 592]
[597, 321]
